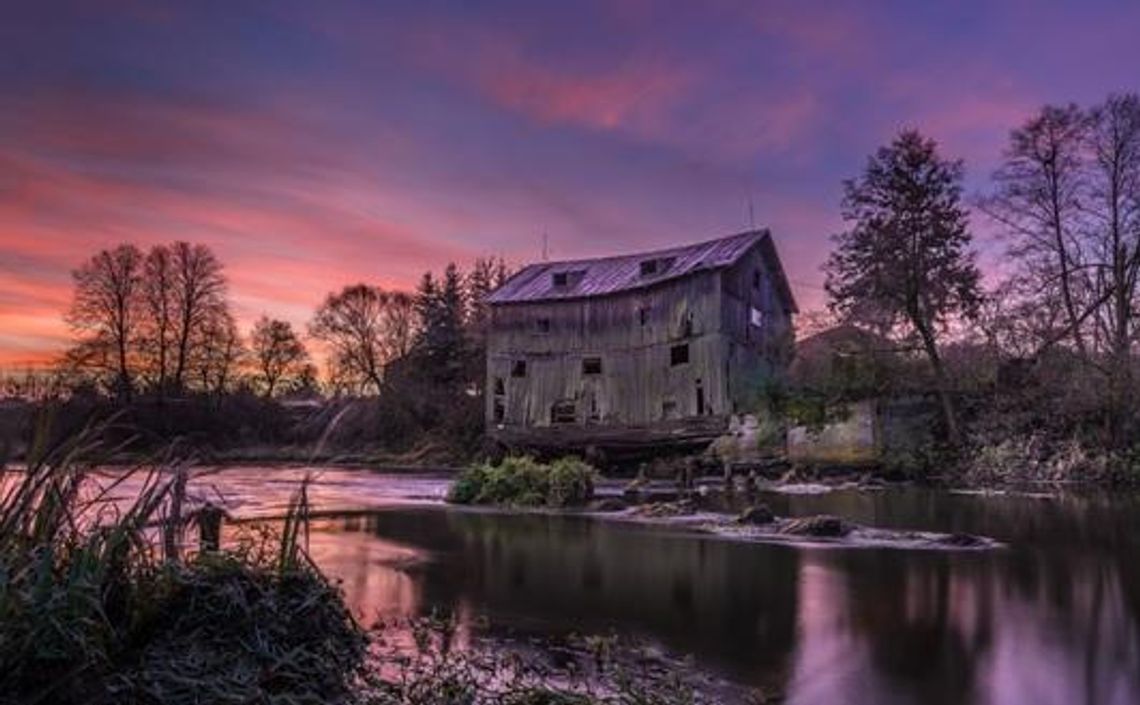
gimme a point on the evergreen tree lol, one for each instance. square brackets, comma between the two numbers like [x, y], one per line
[906, 259]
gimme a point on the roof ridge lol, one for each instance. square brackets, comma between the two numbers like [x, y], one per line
[758, 232]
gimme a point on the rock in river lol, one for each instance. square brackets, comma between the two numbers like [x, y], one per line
[758, 514]
[821, 526]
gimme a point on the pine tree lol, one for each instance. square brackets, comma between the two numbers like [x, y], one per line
[906, 260]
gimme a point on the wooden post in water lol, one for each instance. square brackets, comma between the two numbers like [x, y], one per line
[210, 519]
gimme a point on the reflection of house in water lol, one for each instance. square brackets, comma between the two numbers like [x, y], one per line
[644, 348]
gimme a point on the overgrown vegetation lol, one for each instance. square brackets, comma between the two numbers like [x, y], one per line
[523, 481]
[98, 604]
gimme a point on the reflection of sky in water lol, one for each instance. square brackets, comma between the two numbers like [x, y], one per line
[1052, 620]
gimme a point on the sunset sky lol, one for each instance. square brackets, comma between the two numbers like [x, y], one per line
[316, 143]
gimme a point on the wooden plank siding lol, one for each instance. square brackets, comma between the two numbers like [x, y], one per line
[632, 334]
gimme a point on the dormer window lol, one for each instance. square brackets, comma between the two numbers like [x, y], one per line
[567, 279]
[657, 265]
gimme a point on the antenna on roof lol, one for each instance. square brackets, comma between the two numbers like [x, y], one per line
[751, 214]
[545, 246]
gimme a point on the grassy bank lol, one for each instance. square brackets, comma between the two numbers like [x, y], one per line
[102, 601]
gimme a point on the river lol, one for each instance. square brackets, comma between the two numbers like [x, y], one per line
[1050, 618]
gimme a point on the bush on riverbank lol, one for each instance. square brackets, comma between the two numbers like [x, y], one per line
[523, 481]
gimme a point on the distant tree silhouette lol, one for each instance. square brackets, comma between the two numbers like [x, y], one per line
[199, 294]
[366, 328]
[441, 346]
[906, 259]
[105, 313]
[277, 351]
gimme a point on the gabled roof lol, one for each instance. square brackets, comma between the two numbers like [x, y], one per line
[611, 275]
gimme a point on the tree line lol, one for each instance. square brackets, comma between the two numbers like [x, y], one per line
[1062, 313]
[160, 323]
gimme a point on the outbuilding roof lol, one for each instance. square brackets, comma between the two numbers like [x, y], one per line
[585, 278]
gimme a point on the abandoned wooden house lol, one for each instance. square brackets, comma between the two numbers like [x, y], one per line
[644, 349]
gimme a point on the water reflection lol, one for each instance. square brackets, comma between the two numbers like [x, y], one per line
[826, 626]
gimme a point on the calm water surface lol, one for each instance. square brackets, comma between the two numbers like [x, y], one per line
[1053, 618]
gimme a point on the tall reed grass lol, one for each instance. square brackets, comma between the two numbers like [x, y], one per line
[99, 601]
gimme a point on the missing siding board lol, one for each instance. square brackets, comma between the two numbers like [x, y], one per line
[591, 365]
[679, 355]
[518, 368]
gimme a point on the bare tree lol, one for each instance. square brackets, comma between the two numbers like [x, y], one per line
[158, 322]
[907, 253]
[218, 352]
[366, 328]
[1042, 188]
[199, 290]
[105, 311]
[1114, 143]
[277, 351]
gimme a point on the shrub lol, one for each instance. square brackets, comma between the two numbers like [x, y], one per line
[523, 481]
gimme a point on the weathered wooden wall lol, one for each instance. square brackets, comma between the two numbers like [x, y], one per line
[730, 362]
[638, 383]
[755, 355]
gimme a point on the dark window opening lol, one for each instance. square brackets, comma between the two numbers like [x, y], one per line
[543, 325]
[643, 315]
[668, 409]
[595, 415]
[500, 411]
[700, 399]
[679, 355]
[518, 368]
[648, 267]
[500, 386]
[756, 279]
[567, 279]
[591, 365]
[563, 412]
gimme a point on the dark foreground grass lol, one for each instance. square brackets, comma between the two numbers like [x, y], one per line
[99, 603]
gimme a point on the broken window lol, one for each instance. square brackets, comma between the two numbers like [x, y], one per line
[563, 412]
[657, 265]
[518, 368]
[567, 279]
[591, 365]
[679, 355]
[756, 318]
[543, 325]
